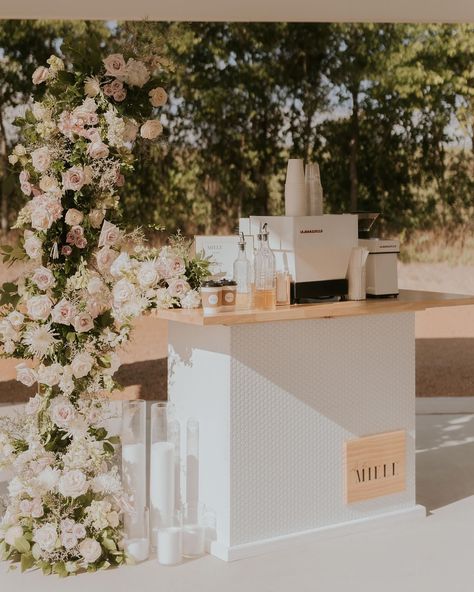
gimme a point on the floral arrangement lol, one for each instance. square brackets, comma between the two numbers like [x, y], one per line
[84, 281]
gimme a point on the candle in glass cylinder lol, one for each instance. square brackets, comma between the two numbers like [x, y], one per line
[162, 482]
[169, 545]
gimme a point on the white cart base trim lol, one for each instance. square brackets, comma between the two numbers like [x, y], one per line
[336, 530]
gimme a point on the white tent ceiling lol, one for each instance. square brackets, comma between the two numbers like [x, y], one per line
[245, 10]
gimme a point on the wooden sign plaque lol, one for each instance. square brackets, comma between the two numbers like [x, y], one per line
[375, 466]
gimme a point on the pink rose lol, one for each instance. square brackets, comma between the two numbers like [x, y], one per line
[105, 257]
[24, 176]
[37, 510]
[98, 150]
[120, 95]
[74, 179]
[108, 92]
[96, 217]
[70, 238]
[178, 287]
[25, 507]
[81, 243]
[62, 411]
[151, 129]
[116, 85]
[40, 75]
[77, 232]
[115, 65]
[43, 278]
[64, 312]
[41, 159]
[26, 188]
[66, 250]
[83, 322]
[73, 217]
[158, 96]
[41, 219]
[119, 180]
[109, 235]
[130, 132]
[68, 540]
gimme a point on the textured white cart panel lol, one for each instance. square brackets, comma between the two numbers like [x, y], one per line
[276, 402]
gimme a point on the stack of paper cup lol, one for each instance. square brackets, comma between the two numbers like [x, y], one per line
[356, 273]
[295, 189]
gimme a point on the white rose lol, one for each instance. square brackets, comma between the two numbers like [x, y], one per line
[151, 129]
[68, 540]
[25, 375]
[74, 217]
[98, 150]
[136, 73]
[78, 530]
[74, 179]
[37, 510]
[109, 235]
[121, 265]
[82, 364]
[48, 184]
[147, 274]
[73, 484]
[64, 312]
[48, 478]
[178, 287]
[34, 403]
[40, 112]
[56, 64]
[46, 536]
[43, 278]
[39, 307]
[16, 319]
[90, 550]
[12, 158]
[40, 75]
[62, 411]
[96, 217]
[95, 285]
[130, 131]
[123, 291]
[49, 375]
[19, 150]
[115, 364]
[32, 245]
[158, 96]
[83, 322]
[113, 519]
[41, 218]
[91, 87]
[12, 534]
[115, 65]
[41, 159]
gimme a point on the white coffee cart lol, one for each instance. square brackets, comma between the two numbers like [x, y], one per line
[306, 414]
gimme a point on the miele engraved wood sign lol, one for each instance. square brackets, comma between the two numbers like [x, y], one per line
[375, 466]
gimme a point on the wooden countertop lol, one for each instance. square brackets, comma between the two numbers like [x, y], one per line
[407, 301]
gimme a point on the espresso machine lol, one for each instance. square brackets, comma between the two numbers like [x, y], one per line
[315, 250]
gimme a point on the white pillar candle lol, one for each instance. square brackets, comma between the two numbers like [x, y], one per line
[134, 478]
[138, 549]
[193, 540]
[162, 483]
[169, 545]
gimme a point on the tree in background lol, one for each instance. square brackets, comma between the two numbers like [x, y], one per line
[387, 110]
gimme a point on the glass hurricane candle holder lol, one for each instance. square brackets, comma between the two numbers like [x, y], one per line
[138, 548]
[194, 530]
[163, 442]
[133, 438]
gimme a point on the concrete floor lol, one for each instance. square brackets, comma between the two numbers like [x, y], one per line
[433, 554]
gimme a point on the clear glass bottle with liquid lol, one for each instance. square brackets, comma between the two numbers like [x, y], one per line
[242, 275]
[265, 276]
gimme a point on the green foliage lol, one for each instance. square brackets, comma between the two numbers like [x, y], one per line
[387, 111]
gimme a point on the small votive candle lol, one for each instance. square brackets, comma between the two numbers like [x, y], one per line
[169, 545]
[194, 540]
[138, 549]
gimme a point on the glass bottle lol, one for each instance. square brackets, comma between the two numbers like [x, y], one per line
[265, 277]
[242, 276]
